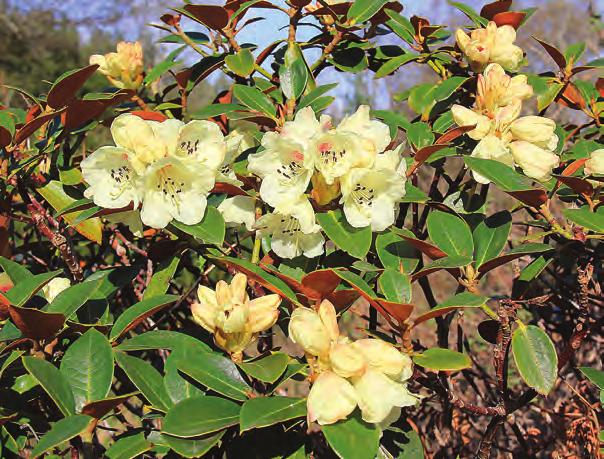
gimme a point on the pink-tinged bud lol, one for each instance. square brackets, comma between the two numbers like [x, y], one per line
[535, 162]
[124, 69]
[331, 399]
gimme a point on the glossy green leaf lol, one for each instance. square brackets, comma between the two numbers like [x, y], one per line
[88, 367]
[450, 233]
[265, 411]
[396, 253]
[460, 301]
[161, 339]
[15, 271]
[595, 376]
[447, 87]
[61, 431]
[215, 372]
[129, 447]
[210, 230]
[193, 447]
[267, 369]
[240, 63]
[363, 10]
[24, 290]
[500, 174]
[53, 382]
[138, 312]
[420, 134]
[468, 11]
[593, 221]
[395, 286]
[146, 378]
[197, 416]
[354, 241]
[394, 64]
[490, 236]
[74, 297]
[401, 26]
[293, 74]
[254, 99]
[212, 110]
[353, 438]
[161, 277]
[177, 387]
[535, 357]
[439, 359]
[315, 94]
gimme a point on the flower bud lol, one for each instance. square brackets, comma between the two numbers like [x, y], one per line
[54, 287]
[465, 117]
[534, 129]
[346, 360]
[535, 162]
[331, 399]
[595, 164]
[307, 330]
[263, 312]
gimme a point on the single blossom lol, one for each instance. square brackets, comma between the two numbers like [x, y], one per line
[535, 162]
[490, 44]
[293, 229]
[496, 89]
[54, 287]
[124, 69]
[595, 163]
[239, 210]
[370, 195]
[234, 320]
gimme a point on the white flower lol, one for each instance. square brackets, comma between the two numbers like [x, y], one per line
[595, 164]
[491, 147]
[369, 195]
[374, 135]
[466, 117]
[175, 188]
[239, 210]
[54, 287]
[331, 399]
[236, 143]
[293, 230]
[537, 130]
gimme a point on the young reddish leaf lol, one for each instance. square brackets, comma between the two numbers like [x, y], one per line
[425, 247]
[555, 54]
[32, 126]
[212, 16]
[150, 115]
[534, 198]
[99, 408]
[36, 324]
[342, 299]
[453, 133]
[66, 87]
[572, 97]
[424, 153]
[577, 184]
[296, 285]
[323, 281]
[491, 9]
[399, 311]
[512, 18]
[228, 188]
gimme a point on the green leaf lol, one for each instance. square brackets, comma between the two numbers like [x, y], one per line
[24, 290]
[56, 196]
[197, 416]
[394, 64]
[212, 110]
[420, 134]
[265, 411]
[574, 52]
[363, 10]
[53, 382]
[450, 233]
[500, 174]
[15, 271]
[210, 230]
[61, 431]
[215, 372]
[74, 297]
[439, 359]
[241, 63]
[593, 221]
[254, 99]
[395, 286]
[158, 70]
[88, 366]
[535, 357]
[129, 447]
[315, 95]
[595, 376]
[421, 98]
[468, 11]
[136, 313]
[396, 253]
[490, 236]
[267, 369]
[353, 438]
[178, 387]
[293, 74]
[161, 277]
[146, 378]
[193, 447]
[545, 98]
[161, 339]
[401, 26]
[355, 241]
[460, 301]
[447, 87]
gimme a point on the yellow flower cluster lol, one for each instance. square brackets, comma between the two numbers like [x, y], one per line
[368, 373]
[123, 69]
[527, 142]
[230, 315]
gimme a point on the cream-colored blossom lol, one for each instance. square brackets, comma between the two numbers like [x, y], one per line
[535, 162]
[314, 331]
[232, 318]
[54, 287]
[490, 44]
[331, 399]
[239, 210]
[595, 163]
[495, 89]
[124, 68]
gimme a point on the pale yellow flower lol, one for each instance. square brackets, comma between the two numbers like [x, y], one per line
[231, 316]
[595, 164]
[124, 69]
[54, 287]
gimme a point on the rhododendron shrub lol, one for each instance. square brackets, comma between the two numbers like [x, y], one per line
[264, 277]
